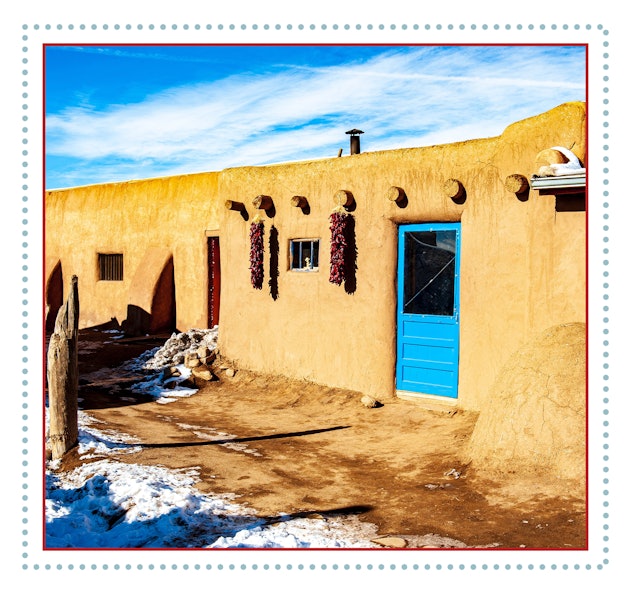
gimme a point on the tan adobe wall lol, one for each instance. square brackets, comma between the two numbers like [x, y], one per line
[522, 263]
[143, 220]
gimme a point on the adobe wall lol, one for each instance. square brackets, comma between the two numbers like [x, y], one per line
[135, 218]
[522, 262]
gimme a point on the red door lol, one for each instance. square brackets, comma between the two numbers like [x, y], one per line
[214, 281]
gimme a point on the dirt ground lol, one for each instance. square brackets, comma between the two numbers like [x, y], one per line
[295, 447]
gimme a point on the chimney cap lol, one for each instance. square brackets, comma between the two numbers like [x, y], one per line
[354, 132]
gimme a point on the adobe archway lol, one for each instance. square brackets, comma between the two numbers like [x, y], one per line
[152, 300]
[54, 295]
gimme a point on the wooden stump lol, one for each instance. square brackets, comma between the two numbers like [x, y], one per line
[63, 379]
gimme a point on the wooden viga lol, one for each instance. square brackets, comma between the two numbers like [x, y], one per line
[233, 205]
[299, 202]
[516, 184]
[344, 199]
[262, 202]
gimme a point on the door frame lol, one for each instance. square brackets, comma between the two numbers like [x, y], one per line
[214, 275]
[403, 389]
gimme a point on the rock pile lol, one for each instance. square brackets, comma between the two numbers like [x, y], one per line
[184, 361]
[192, 349]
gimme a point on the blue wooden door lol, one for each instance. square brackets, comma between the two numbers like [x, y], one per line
[428, 308]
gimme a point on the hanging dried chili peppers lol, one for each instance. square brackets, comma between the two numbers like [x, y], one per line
[337, 225]
[256, 254]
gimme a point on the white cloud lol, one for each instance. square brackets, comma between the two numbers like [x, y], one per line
[420, 94]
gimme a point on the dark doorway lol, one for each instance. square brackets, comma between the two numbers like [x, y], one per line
[214, 281]
[54, 296]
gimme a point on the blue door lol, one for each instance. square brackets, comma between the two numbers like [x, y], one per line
[428, 308]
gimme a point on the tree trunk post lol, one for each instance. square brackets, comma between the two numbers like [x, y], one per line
[63, 379]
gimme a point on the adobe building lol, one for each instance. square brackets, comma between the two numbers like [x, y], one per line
[449, 260]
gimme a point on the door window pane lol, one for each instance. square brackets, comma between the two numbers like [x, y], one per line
[429, 259]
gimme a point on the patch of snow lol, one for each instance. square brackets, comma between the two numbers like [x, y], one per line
[119, 505]
[97, 442]
[110, 504]
[154, 386]
[211, 434]
[288, 532]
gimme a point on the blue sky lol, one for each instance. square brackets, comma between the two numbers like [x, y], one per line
[116, 113]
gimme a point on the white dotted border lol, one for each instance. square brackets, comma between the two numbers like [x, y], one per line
[321, 27]
[310, 567]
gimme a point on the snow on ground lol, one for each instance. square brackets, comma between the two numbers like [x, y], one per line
[154, 386]
[107, 503]
[211, 434]
[95, 440]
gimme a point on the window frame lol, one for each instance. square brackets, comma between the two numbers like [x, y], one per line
[299, 243]
[110, 267]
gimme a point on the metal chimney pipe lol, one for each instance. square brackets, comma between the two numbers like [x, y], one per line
[354, 141]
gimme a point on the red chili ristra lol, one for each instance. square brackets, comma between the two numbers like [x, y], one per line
[256, 255]
[337, 225]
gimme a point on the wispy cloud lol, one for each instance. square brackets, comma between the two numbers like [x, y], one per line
[402, 97]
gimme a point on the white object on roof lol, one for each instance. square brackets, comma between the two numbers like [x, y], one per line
[571, 167]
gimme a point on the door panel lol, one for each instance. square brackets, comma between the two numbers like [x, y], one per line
[428, 309]
[214, 281]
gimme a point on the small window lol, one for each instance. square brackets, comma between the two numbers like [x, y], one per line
[110, 266]
[304, 255]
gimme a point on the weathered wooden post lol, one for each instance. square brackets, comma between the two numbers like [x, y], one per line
[63, 376]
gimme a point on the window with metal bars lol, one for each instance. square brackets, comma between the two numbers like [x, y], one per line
[304, 255]
[110, 266]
